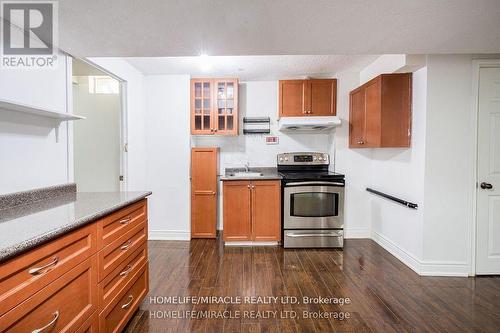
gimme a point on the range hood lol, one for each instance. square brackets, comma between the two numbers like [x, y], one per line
[308, 124]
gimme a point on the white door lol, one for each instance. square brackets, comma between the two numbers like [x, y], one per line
[488, 173]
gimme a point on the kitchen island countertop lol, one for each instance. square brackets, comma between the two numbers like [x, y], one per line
[26, 225]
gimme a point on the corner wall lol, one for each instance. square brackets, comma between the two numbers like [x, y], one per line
[169, 156]
[30, 157]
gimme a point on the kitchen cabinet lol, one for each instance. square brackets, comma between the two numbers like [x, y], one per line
[204, 168]
[314, 97]
[214, 106]
[252, 210]
[380, 112]
[90, 280]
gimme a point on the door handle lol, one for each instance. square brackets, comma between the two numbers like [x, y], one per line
[486, 186]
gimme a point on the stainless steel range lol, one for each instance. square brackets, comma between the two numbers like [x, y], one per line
[313, 201]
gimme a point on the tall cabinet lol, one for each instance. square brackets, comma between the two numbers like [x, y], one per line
[204, 167]
[214, 106]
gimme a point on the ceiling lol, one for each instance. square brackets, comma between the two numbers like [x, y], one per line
[158, 28]
[249, 68]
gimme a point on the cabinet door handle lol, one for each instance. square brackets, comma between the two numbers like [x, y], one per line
[44, 268]
[361, 142]
[126, 245]
[126, 220]
[248, 186]
[52, 322]
[126, 305]
[125, 272]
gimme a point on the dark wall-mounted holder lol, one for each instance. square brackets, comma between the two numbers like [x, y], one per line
[408, 204]
[256, 125]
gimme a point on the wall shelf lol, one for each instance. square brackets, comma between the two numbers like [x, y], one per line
[58, 117]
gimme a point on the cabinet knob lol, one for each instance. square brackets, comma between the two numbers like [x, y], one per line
[361, 142]
[248, 186]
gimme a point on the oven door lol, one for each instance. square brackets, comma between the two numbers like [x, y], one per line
[313, 205]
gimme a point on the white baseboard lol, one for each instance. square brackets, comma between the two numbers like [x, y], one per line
[423, 268]
[403, 256]
[438, 268]
[356, 233]
[169, 235]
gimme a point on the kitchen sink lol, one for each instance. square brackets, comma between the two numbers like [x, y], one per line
[245, 174]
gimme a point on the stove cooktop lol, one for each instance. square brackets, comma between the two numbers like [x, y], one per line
[311, 175]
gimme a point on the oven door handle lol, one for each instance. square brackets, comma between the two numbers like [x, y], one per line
[329, 234]
[315, 183]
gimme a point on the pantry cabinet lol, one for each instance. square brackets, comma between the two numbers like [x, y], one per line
[252, 210]
[204, 167]
[301, 98]
[380, 112]
[214, 106]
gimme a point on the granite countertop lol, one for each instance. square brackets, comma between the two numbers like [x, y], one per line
[43, 217]
[268, 173]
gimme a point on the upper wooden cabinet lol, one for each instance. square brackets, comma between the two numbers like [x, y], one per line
[214, 106]
[315, 97]
[380, 112]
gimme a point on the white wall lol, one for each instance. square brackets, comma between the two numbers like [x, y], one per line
[449, 149]
[136, 119]
[96, 141]
[30, 157]
[400, 172]
[258, 99]
[168, 155]
[354, 163]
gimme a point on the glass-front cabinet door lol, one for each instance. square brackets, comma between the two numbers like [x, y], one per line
[201, 106]
[214, 106]
[227, 106]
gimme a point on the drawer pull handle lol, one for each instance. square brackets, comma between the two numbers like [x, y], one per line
[126, 305]
[126, 220]
[125, 272]
[44, 268]
[126, 245]
[41, 329]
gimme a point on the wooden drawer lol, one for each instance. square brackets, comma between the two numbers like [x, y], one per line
[91, 325]
[114, 283]
[26, 274]
[118, 313]
[62, 306]
[117, 224]
[118, 251]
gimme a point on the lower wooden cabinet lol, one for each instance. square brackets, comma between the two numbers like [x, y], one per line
[62, 306]
[77, 283]
[252, 210]
[114, 317]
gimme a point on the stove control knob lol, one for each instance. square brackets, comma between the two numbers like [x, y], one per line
[286, 159]
[281, 159]
[320, 158]
[315, 158]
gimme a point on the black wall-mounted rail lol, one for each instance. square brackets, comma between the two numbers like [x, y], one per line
[390, 197]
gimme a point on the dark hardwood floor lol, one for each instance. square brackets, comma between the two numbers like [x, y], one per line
[385, 295]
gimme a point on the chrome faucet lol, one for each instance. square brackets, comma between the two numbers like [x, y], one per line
[247, 167]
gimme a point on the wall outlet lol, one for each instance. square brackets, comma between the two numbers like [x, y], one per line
[272, 140]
